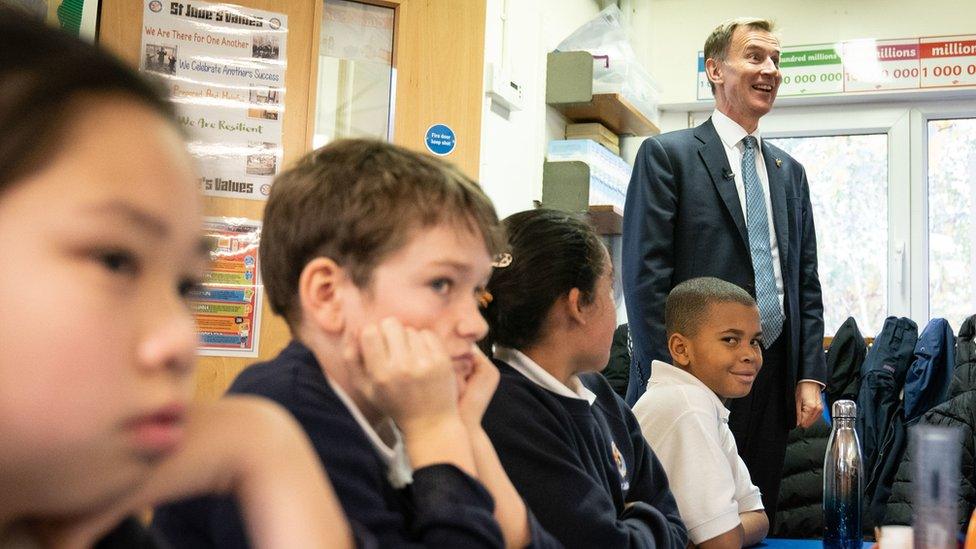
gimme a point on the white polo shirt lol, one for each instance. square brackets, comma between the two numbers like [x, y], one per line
[687, 426]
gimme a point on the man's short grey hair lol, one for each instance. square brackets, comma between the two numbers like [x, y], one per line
[688, 303]
[718, 42]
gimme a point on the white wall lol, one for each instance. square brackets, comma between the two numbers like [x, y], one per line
[518, 35]
[678, 28]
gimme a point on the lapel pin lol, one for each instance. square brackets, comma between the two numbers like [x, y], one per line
[779, 162]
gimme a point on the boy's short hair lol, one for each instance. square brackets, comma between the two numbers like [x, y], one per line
[688, 303]
[356, 201]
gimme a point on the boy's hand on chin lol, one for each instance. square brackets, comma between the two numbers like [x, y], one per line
[408, 374]
[478, 389]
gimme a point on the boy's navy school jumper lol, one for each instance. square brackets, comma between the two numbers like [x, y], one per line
[443, 507]
[583, 469]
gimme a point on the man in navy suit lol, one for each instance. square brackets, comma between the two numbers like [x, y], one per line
[718, 200]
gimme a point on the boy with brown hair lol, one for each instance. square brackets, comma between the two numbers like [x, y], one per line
[377, 257]
[714, 337]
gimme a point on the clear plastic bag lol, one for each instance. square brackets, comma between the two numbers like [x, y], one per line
[615, 65]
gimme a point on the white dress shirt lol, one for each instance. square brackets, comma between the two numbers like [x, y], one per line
[731, 135]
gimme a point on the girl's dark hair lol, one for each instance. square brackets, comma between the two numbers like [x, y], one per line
[42, 70]
[552, 253]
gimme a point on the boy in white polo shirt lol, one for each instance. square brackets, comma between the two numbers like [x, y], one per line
[714, 337]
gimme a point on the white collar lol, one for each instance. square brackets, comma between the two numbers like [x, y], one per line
[730, 132]
[538, 375]
[399, 470]
[662, 372]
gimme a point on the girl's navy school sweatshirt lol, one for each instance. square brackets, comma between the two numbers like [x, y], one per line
[585, 470]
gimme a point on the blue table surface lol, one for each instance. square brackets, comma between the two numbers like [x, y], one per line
[784, 543]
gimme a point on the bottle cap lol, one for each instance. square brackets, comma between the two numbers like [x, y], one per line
[844, 408]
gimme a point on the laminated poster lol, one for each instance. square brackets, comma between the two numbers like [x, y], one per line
[227, 307]
[224, 66]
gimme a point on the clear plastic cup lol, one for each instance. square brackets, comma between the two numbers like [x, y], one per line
[896, 537]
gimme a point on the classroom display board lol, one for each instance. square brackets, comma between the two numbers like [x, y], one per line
[224, 66]
[420, 102]
[227, 307]
[867, 66]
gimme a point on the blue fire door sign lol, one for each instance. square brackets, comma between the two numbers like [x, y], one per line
[440, 140]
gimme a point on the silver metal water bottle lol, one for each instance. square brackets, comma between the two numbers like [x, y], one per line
[842, 472]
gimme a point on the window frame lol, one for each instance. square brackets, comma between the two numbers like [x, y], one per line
[921, 114]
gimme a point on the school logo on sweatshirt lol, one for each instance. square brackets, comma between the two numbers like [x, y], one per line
[618, 458]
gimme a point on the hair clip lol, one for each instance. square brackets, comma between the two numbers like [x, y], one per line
[484, 299]
[502, 260]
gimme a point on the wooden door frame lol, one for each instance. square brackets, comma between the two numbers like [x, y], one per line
[418, 106]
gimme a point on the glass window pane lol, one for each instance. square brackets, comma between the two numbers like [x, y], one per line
[355, 81]
[952, 219]
[848, 177]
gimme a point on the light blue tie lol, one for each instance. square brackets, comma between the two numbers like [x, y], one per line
[757, 223]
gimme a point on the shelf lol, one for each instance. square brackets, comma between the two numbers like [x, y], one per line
[566, 186]
[611, 110]
[569, 89]
[607, 220]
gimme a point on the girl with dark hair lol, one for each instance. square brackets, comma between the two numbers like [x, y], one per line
[570, 445]
[100, 230]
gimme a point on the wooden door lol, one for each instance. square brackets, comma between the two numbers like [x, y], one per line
[439, 58]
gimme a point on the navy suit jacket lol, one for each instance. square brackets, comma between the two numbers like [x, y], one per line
[683, 219]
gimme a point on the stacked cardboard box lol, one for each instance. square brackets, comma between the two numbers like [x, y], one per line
[595, 131]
